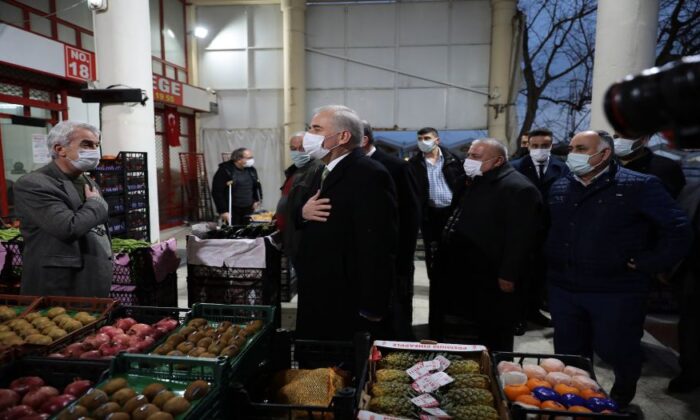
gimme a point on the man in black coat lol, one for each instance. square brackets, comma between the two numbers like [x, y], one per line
[348, 244]
[409, 221]
[239, 178]
[437, 172]
[488, 244]
[635, 156]
[542, 170]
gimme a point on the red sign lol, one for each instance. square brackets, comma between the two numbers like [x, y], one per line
[167, 90]
[172, 127]
[80, 64]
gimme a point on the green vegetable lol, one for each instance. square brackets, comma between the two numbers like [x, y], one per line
[8, 234]
[127, 245]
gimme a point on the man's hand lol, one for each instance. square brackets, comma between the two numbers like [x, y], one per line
[256, 205]
[90, 193]
[224, 217]
[632, 264]
[316, 209]
[506, 286]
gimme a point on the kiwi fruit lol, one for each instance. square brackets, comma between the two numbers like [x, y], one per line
[195, 336]
[123, 395]
[215, 348]
[256, 325]
[229, 351]
[185, 331]
[185, 347]
[152, 390]
[162, 415]
[238, 341]
[196, 390]
[4, 328]
[134, 403]
[209, 333]
[118, 416]
[195, 352]
[175, 339]
[105, 409]
[197, 322]
[144, 412]
[93, 399]
[207, 354]
[176, 406]
[114, 385]
[162, 398]
[73, 412]
[164, 348]
[205, 342]
[175, 353]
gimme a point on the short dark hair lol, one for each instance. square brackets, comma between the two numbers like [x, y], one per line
[367, 128]
[607, 138]
[546, 132]
[428, 130]
[238, 154]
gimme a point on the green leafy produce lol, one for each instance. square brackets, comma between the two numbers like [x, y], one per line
[8, 234]
[127, 245]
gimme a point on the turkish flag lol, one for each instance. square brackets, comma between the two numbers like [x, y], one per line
[172, 127]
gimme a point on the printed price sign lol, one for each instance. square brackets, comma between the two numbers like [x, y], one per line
[437, 413]
[430, 383]
[425, 400]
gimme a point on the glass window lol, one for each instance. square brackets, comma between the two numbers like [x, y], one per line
[157, 67]
[88, 42]
[40, 113]
[159, 123]
[182, 76]
[39, 95]
[12, 109]
[174, 31]
[66, 34]
[10, 14]
[39, 25]
[169, 72]
[154, 9]
[42, 5]
[184, 126]
[79, 15]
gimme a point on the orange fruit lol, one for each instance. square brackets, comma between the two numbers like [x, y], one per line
[579, 409]
[534, 383]
[589, 393]
[552, 405]
[513, 391]
[528, 399]
[566, 389]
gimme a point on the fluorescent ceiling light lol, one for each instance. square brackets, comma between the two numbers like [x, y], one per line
[201, 32]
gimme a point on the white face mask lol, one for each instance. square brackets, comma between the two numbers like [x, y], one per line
[623, 147]
[299, 158]
[249, 163]
[426, 146]
[578, 163]
[540, 155]
[313, 144]
[472, 167]
[88, 159]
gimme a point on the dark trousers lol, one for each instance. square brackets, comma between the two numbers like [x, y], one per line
[238, 215]
[533, 288]
[402, 307]
[432, 227]
[609, 324]
[688, 297]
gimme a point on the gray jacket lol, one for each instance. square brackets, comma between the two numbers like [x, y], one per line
[67, 249]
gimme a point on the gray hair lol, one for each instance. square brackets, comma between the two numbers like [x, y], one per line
[61, 132]
[500, 148]
[345, 118]
[606, 141]
[237, 154]
[298, 134]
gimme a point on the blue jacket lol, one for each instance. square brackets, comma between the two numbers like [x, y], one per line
[596, 230]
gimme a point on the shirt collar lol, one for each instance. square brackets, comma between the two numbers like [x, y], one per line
[437, 161]
[536, 163]
[371, 151]
[332, 164]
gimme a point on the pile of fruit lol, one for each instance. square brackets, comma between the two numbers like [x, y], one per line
[552, 385]
[30, 398]
[467, 396]
[202, 338]
[126, 334]
[116, 400]
[35, 328]
[7, 313]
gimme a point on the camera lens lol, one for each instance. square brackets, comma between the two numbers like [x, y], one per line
[632, 106]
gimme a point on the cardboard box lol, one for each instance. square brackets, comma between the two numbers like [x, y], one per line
[473, 352]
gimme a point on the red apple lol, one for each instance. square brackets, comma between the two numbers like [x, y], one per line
[25, 384]
[8, 398]
[17, 412]
[145, 344]
[111, 331]
[38, 396]
[140, 330]
[167, 323]
[73, 350]
[95, 341]
[125, 323]
[77, 387]
[55, 404]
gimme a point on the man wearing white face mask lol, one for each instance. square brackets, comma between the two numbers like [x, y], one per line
[488, 244]
[437, 172]
[63, 218]
[299, 179]
[612, 230]
[634, 154]
[345, 263]
[239, 178]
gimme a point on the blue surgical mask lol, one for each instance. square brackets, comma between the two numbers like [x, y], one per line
[624, 147]
[88, 159]
[299, 158]
[578, 163]
[426, 146]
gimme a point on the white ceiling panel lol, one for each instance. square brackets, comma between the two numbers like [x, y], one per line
[360, 75]
[429, 62]
[325, 72]
[466, 110]
[470, 22]
[372, 25]
[423, 23]
[421, 107]
[375, 106]
[325, 26]
[224, 69]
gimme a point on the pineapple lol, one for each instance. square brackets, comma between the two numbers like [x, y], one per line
[463, 366]
[395, 406]
[452, 357]
[468, 396]
[471, 380]
[394, 389]
[392, 375]
[399, 360]
[472, 412]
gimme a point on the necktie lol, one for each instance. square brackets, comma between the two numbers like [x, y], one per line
[540, 171]
[324, 174]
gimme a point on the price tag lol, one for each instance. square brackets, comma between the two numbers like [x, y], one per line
[418, 370]
[438, 413]
[432, 364]
[425, 400]
[430, 383]
[444, 363]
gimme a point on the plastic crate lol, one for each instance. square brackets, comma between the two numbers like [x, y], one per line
[518, 412]
[247, 394]
[117, 225]
[116, 204]
[177, 372]
[133, 161]
[136, 199]
[23, 304]
[288, 280]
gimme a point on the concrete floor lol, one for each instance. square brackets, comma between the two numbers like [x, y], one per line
[660, 365]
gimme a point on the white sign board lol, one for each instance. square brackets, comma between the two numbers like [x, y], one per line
[40, 152]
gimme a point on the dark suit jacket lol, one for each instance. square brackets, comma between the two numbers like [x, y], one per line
[452, 169]
[555, 170]
[409, 211]
[668, 171]
[345, 265]
[219, 189]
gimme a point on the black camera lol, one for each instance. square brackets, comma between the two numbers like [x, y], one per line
[661, 99]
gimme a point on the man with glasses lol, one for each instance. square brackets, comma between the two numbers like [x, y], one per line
[67, 250]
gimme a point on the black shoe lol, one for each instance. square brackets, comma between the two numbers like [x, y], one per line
[539, 319]
[682, 384]
[623, 394]
[520, 328]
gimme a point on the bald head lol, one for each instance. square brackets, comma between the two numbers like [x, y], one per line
[490, 152]
[599, 147]
[296, 143]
